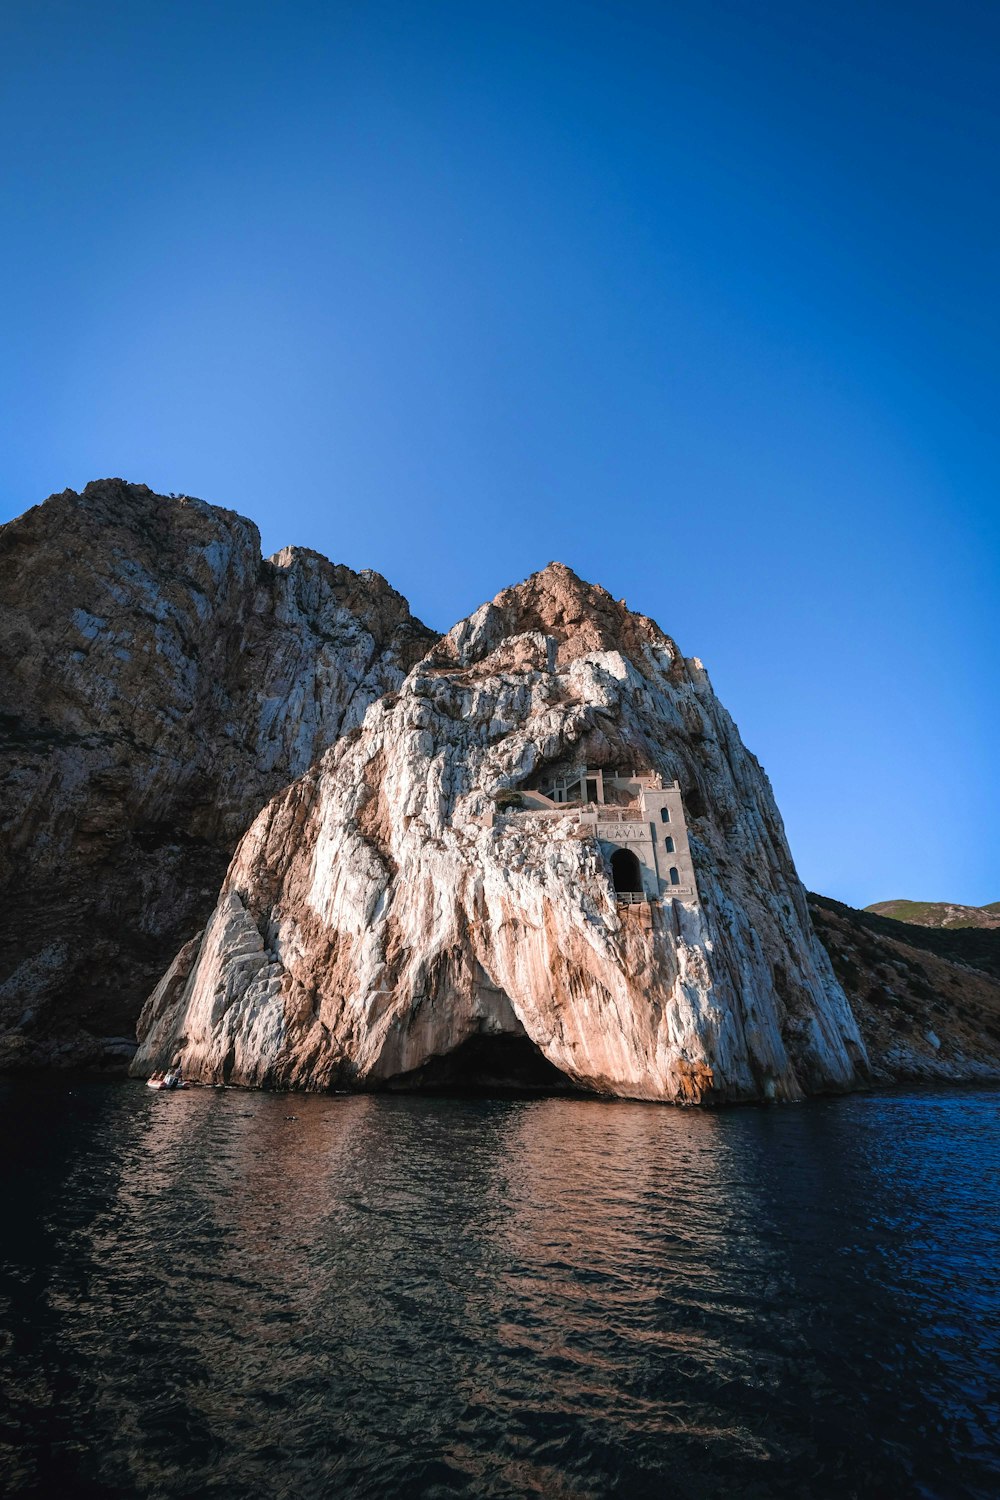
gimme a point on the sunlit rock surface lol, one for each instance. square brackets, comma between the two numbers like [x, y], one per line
[389, 909]
[160, 682]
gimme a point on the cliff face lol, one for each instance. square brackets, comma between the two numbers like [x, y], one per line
[161, 681]
[387, 918]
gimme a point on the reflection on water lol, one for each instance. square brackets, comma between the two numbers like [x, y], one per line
[243, 1294]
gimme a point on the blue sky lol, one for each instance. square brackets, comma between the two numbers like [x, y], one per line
[699, 298]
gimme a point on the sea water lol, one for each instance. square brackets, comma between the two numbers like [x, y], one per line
[230, 1294]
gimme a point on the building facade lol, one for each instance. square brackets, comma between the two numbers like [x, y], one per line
[638, 822]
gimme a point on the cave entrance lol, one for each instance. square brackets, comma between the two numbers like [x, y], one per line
[625, 873]
[498, 1066]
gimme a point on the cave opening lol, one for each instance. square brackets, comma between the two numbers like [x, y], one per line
[501, 1065]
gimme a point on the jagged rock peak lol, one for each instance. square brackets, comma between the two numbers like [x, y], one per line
[365, 593]
[558, 606]
[116, 500]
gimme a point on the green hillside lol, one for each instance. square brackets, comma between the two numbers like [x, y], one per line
[938, 913]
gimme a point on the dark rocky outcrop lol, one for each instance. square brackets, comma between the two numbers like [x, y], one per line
[161, 680]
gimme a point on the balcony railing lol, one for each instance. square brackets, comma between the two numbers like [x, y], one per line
[636, 898]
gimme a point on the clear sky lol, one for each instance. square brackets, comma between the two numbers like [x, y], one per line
[700, 298]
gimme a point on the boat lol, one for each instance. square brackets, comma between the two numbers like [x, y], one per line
[170, 1081]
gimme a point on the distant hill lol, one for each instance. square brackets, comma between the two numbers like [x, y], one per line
[927, 999]
[938, 913]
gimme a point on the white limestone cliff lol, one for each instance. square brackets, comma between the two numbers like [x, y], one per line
[381, 916]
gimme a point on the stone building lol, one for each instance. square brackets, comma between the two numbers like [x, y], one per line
[638, 822]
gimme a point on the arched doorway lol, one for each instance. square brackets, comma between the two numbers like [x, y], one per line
[625, 872]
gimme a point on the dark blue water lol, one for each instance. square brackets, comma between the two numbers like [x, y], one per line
[400, 1296]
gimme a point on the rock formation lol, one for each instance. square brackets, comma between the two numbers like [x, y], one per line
[161, 681]
[395, 908]
[416, 904]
